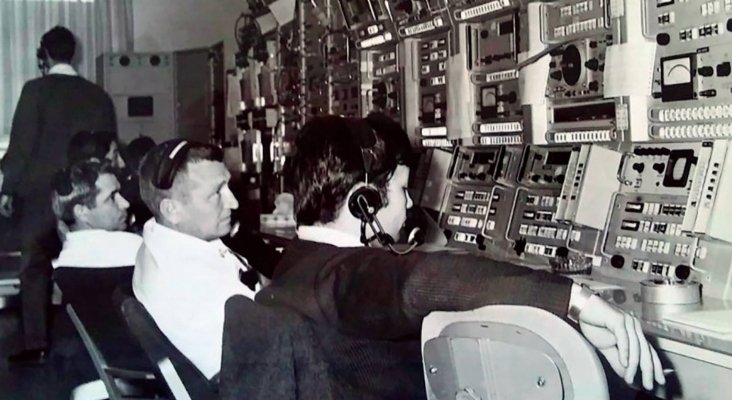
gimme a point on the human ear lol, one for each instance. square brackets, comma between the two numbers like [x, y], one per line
[169, 210]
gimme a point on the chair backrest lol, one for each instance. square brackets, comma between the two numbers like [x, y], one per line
[183, 379]
[270, 353]
[508, 352]
[119, 360]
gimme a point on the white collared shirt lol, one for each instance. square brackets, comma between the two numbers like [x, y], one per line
[183, 282]
[62, 69]
[97, 248]
[322, 234]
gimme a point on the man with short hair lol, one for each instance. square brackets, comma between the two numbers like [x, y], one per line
[50, 110]
[366, 305]
[184, 273]
[87, 202]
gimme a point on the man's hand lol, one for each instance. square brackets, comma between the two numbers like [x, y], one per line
[6, 205]
[619, 338]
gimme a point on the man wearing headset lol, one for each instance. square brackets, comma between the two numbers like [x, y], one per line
[184, 273]
[50, 110]
[349, 179]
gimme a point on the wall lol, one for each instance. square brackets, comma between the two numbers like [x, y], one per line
[167, 25]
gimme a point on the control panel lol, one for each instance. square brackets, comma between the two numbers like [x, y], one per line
[691, 76]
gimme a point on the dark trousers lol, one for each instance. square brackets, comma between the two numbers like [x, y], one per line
[39, 245]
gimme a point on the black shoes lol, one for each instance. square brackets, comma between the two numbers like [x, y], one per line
[28, 358]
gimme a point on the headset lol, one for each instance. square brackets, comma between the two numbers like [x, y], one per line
[172, 159]
[42, 58]
[366, 201]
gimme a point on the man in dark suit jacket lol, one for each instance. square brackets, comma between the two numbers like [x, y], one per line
[50, 110]
[366, 305]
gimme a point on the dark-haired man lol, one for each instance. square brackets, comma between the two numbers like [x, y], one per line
[50, 110]
[184, 273]
[367, 304]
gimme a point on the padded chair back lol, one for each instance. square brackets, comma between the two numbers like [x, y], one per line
[183, 379]
[119, 361]
[270, 353]
[508, 352]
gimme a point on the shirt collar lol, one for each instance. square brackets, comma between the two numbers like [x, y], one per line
[174, 242]
[98, 248]
[62, 69]
[322, 234]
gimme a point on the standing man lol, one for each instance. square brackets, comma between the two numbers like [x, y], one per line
[50, 110]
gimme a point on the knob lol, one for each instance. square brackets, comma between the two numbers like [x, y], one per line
[708, 93]
[639, 167]
[562, 252]
[594, 86]
[682, 272]
[706, 71]
[617, 261]
[659, 167]
[724, 69]
[556, 75]
[729, 25]
[592, 64]
[663, 39]
[484, 34]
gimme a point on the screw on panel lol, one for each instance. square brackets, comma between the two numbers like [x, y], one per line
[541, 382]
[433, 370]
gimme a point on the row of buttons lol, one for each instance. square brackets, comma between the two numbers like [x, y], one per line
[436, 143]
[501, 140]
[425, 69]
[470, 209]
[626, 242]
[711, 8]
[541, 201]
[423, 27]
[386, 70]
[656, 208]
[701, 32]
[695, 131]
[466, 222]
[540, 249]
[548, 232]
[656, 246]
[695, 113]
[434, 131]
[574, 9]
[475, 196]
[465, 237]
[682, 250]
[668, 18]
[579, 27]
[663, 228]
[501, 127]
[602, 135]
[482, 9]
[501, 76]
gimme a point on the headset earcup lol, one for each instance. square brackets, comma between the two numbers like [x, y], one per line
[364, 203]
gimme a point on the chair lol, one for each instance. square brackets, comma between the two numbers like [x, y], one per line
[183, 380]
[271, 353]
[508, 352]
[118, 359]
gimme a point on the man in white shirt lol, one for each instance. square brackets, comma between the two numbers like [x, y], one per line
[184, 273]
[92, 216]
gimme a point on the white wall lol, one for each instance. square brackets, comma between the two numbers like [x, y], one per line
[168, 25]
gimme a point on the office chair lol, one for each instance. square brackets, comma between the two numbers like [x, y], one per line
[508, 352]
[183, 380]
[115, 383]
[119, 361]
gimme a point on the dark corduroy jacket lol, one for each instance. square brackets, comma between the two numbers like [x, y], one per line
[366, 307]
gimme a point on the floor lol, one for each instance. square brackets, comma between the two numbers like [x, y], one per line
[68, 364]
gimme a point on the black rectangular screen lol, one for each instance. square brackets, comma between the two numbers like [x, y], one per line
[140, 106]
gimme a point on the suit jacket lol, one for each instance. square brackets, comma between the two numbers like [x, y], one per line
[367, 305]
[50, 110]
